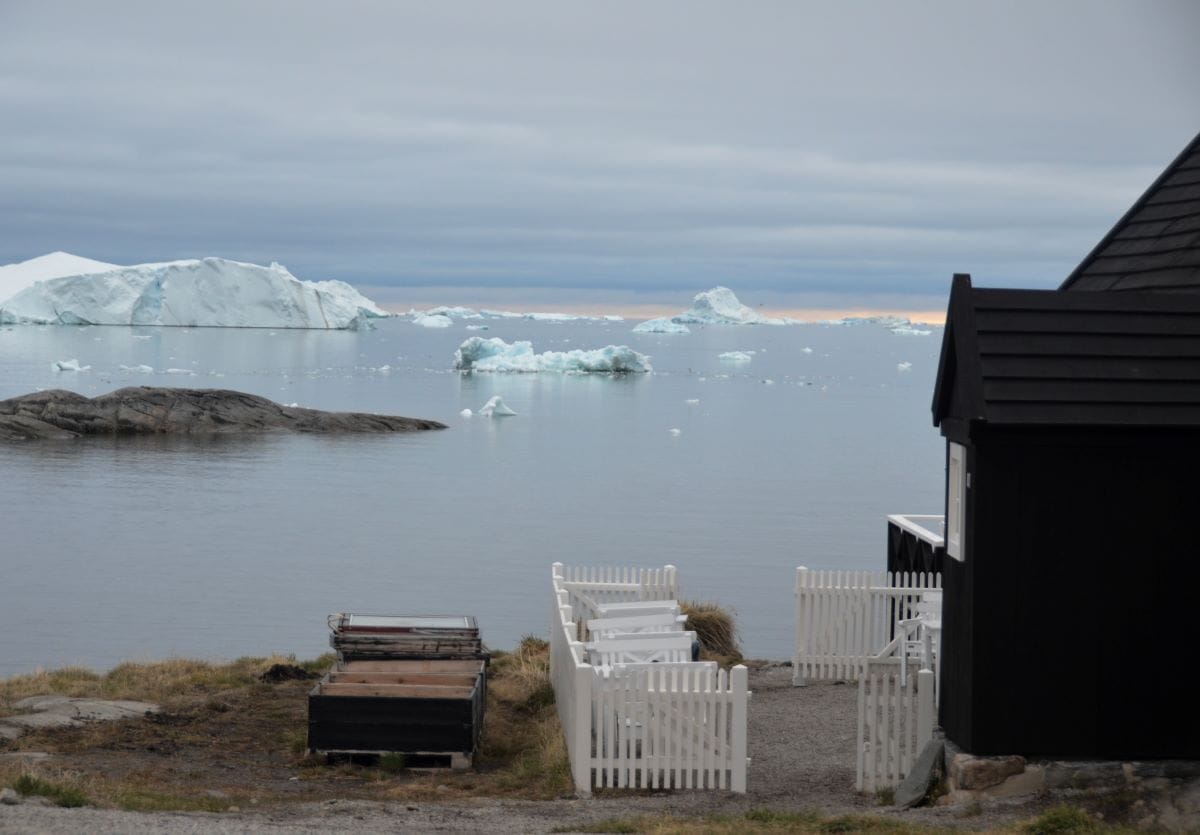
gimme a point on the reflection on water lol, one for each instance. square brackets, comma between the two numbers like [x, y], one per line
[146, 547]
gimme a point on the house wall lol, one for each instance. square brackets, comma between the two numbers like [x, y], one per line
[1070, 627]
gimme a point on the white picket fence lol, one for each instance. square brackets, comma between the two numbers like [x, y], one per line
[669, 725]
[845, 618]
[848, 627]
[894, 723]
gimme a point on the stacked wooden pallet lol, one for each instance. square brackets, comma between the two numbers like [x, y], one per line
[365, 637]
[410, 685]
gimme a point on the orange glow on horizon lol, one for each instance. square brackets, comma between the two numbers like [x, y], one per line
[654, 311]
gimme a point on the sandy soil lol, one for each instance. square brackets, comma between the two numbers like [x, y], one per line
[801, 744]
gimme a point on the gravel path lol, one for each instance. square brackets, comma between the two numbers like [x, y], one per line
[801, 741]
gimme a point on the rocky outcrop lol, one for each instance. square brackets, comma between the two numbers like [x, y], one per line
[146, 410]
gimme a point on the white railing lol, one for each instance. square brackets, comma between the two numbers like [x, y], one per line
[895, 721]
[669, 725]
[845, 618]
[931, 529]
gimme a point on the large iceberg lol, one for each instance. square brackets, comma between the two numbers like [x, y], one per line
[16, 277]
[212, 292]
[719, 306]
[479, 354]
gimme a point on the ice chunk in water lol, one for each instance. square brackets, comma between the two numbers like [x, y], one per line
[496, 407]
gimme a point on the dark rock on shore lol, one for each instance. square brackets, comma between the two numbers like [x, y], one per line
[147, 410]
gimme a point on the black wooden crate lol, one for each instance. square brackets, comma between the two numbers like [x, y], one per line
[398, 706]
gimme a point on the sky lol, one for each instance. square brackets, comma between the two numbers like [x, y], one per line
[805, 154]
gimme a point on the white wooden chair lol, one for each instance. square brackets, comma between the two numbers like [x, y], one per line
[600, 628]
[639, 647]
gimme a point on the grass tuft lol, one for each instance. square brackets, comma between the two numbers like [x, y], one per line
[62, 795]
[1063, 819]
[715, 629]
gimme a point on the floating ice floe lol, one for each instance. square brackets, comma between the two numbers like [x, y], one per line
[479, 354]
[449, 312]
[212, 292]
[477, 327]
[693, 401]
[186, 371]
[663, 325]
[496, 407]
[536, 316]
[736, 356]
[465, 413]
[137, 369]
[432, 320]
[903, 366]
[69, 365]
[675, 433]
[806, 350]
[898, 325]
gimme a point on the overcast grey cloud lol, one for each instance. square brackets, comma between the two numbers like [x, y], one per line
[815, 150]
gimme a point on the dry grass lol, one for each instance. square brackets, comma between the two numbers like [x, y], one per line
[224, 739]
[715, 629]
[158, 681]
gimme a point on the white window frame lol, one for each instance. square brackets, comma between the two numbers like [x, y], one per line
[956, 502]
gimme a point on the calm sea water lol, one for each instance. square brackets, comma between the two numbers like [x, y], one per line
[115, 550]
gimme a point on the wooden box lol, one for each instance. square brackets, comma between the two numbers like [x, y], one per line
[429, 708]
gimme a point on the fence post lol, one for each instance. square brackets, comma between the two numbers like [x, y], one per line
[925, 717]
[739, 683]
[581, 742]
[797, 673]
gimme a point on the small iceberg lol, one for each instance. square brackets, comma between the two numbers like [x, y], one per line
[69, 365]
[904, 366]
[479, 354]
[466, 413]
[137, 369]
[496, 407]
[432, 320]
[675, 432]
[736, 356]
[909, 330]
[663, 325]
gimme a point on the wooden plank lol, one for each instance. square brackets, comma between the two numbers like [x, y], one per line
[1175, 192]
[439, 679]
[397, 691]
[1022, 344]
[1091, 368]
[1167, 211]
[1089, 323]
[1091, 391]
[413, 665]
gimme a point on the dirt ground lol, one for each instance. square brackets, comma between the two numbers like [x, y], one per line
[227, 764]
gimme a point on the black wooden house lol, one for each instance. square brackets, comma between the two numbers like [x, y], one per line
[1072, 559]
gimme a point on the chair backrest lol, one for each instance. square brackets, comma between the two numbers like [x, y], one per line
[639, 607]
[657, 622]
[642, 647]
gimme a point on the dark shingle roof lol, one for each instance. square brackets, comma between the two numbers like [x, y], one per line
[1043, 357]
[1156, 245]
